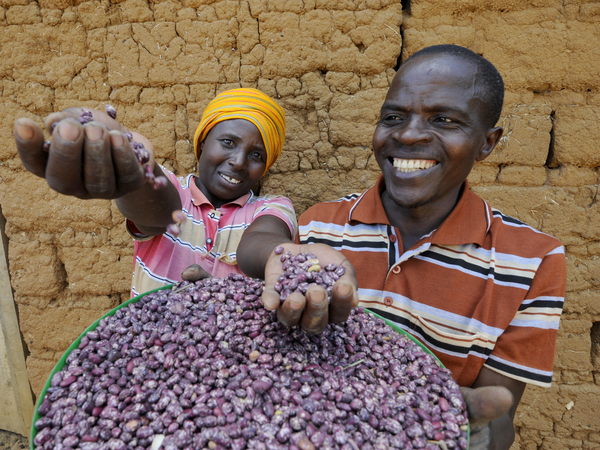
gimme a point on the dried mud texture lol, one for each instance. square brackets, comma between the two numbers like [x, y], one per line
[329, 65]
[537, 46]
[12, 441]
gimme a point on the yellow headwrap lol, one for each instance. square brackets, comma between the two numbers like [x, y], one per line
[249, 104]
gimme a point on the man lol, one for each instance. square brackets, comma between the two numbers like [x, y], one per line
[483, 291]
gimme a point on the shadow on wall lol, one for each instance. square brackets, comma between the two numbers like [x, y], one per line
[595, 348]
[406, 6]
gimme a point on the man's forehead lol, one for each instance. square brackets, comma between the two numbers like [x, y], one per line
[444, 71]
[449, 67]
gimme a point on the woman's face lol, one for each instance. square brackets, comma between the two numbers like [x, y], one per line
[232, 160]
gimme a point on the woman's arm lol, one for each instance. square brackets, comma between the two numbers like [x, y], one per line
[258, 242]
[97, 161]
[313, 311]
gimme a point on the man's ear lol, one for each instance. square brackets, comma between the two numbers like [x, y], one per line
[492, 137]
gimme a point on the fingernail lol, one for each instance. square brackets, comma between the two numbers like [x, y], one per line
[93, 134]
[116, 139]
[318, 296]
[23, 132]
[344, 289]
[68, 132]
[268, 305]
[297, 304]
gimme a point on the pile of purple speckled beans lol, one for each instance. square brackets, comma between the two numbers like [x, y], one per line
[205, 366]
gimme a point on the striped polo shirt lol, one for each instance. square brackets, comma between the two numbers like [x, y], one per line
[483, 289]
[209, 237]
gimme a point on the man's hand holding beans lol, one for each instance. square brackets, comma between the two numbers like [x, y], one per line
[312, 311]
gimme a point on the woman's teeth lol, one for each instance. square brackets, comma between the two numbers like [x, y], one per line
[411, 165]
[231, 180]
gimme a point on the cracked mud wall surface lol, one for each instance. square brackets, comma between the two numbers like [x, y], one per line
[329, 64]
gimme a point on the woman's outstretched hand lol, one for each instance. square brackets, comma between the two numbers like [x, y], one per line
[91, 160]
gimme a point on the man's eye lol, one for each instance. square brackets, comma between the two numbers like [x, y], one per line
[445, 119]
[393, 118]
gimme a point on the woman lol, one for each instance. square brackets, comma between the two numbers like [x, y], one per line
[239, 137]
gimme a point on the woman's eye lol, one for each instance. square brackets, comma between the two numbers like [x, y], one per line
[257, 155]
[227, 142]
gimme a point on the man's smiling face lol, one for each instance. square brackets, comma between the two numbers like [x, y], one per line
[431, 131]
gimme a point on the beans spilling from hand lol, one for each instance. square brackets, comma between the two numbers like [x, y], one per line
[302, 270]
[141, 152]
[174, 229]
[205, 366]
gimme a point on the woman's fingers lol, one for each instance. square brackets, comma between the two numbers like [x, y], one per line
[29, 138]
[290, 312]
[52, 119]
[344, 295]
[83, 160]
[343, 298]
[316, 313]
[76, 113]
[129, 172]
[65, 160]
[98, 170]
[270, 297]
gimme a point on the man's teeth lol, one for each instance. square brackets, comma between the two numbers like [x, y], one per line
[411, 165]
[231, 180]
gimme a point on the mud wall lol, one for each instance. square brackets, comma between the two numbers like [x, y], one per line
[329, 64]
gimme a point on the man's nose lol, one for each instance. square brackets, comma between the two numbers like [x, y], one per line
[415, 130]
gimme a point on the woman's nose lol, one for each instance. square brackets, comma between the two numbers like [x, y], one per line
[238, 159]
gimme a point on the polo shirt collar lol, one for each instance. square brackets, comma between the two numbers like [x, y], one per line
[468, 223]
[200, 199]
[369, 207]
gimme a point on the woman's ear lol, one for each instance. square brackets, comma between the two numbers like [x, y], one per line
[492, 137]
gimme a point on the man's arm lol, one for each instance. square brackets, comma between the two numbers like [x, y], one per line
[96, 160]
[492, 402]
[533, 345]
